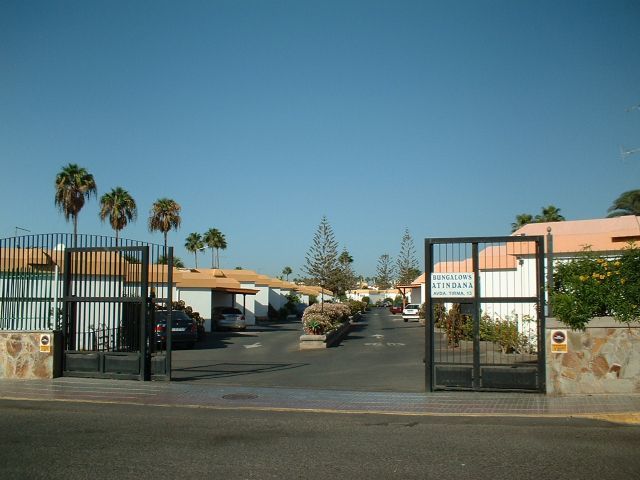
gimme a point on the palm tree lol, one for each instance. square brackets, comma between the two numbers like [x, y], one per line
[164, 215]
[627, 203]
[120, 207]
[73, 185]
[177, 261]
[194, 244]
[287, 271]
[550, 214]
[215, 239]
[521, 220]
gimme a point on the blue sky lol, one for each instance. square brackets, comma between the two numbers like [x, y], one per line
[259, 117]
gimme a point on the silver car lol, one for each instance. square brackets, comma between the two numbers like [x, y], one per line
[228, 317]
[411, 312]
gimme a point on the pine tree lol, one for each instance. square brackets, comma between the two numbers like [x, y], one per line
[407, 262]
[385, 271]
[322, 256]
[344, 278]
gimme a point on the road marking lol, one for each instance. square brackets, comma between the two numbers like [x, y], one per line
[396, 344]
[380, 344]
[374, 344]
[377, 335]
[253, 345]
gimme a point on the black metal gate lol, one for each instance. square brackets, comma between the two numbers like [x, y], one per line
[485, 306]
[109, 298]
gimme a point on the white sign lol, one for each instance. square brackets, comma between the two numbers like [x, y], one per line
[452, 285]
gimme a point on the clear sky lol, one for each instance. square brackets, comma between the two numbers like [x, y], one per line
[258, 117]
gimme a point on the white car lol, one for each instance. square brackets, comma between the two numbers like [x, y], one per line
[228, 317]
[411, 312]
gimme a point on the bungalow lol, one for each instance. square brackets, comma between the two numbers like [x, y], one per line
[509, 270]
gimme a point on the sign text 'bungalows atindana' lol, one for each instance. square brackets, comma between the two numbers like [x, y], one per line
[451, 285]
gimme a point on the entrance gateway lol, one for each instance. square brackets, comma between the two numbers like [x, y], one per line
[109, 298]
[96, 295]
[485, 313]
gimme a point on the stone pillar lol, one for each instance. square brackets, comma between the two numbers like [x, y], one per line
[23, 356]
[605, 359]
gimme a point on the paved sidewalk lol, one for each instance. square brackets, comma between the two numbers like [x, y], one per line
[620, 408]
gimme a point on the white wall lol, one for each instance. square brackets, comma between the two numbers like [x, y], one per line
[275, 298]
[200, 300]
[261, 301]
[247, 304]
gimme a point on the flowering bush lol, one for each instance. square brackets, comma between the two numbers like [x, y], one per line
[591, 286]
[320, 319]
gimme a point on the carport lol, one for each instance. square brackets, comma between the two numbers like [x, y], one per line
[204, 290]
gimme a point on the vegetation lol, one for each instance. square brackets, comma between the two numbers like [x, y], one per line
[322, 256]
[194, 244]
[550, 213]
[592, 285]
[120, 207]
[290, 307]
[344, 277]
[164, 216]
[384, 272]
[73, 186]
[163, 260]
[215, 239]
[407, 263]
[504, 332]
[356, 307]
[320, 320]
[628, 203]
[286, 271]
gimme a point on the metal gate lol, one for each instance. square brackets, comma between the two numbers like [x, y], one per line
[485, 306]
[109, 298]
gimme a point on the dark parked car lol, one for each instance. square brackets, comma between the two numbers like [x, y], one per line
[184, 330]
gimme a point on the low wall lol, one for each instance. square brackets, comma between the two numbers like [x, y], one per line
[26, 355]
[605, 358]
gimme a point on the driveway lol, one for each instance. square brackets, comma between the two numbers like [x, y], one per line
[381, 353]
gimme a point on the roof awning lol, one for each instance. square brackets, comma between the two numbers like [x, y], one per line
[239, 291]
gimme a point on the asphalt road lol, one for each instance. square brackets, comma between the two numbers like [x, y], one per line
[381, 353]
[77, 441]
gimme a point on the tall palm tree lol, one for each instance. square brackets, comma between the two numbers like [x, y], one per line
[120, 207]
[550, 214]
[287, 271]
[73, 185]
[194, 244]
[627, 203]
[521, 220]
[164, 216]
[215, 239]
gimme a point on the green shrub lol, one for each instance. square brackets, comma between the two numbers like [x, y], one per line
[356, 306]
[592, 285]
[456, 326]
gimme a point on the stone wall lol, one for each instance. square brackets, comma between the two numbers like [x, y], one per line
[603, 359]
[21, 355]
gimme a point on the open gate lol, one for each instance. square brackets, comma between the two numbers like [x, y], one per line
[485, 299]
[109, 298]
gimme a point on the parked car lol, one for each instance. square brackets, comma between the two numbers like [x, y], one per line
[395, 309]
[184, 330]
[411, 312]
[228, 317]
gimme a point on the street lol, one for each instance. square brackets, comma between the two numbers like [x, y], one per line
[73, 440]
[381, 353]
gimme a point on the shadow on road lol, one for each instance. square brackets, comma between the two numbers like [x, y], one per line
[222, 370]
